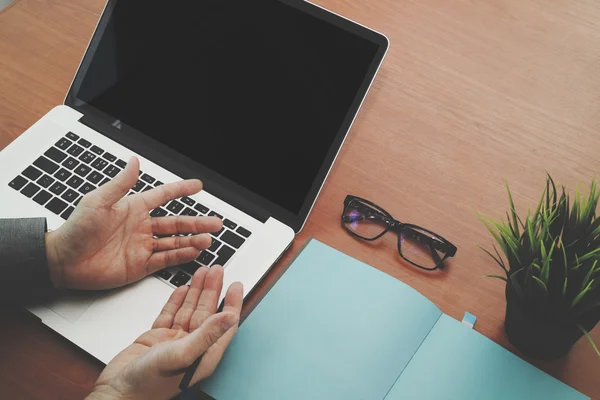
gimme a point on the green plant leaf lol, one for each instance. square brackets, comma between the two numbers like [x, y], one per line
[498, 260]
[581, 294]
[589, 255]
[542, 284]
[589, 275]
[512, 210]
[565, 286]
[515, 283]
[497, 277]
[588, 337]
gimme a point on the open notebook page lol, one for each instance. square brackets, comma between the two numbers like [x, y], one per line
[331, 328]
[456, 362]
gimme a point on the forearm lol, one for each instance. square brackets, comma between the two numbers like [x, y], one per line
[23, 259]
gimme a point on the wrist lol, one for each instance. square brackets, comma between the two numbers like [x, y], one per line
[104, 392]
[54, 264]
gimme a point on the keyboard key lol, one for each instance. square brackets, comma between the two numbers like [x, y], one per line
[109, 157]
[54, 154]
[63, 144]
[30, 189]
[84, 143]
[42, 197]
[215, 245]
[87, 157]
[232, 239]
[86, 188]
[17, 183]
[121, 163]
[75, 182]
[206, 258]
[70, 163]
[72, 136]
[32, 173]
[46, 165]
[147, 188]
[96, 149]
[188, 201]
[158, 212]
[82, 170]
[57, 188]
[229, 223]
[201, 208]
[76, 202]
[112, 171]
[56, 205]
[70, 195]
[216, 234]
[189, 211]
[45, 181]
[147, 178]
[214, 214]
[244, 232]
[68, 212]
[175, 207]
[158, 183]
[180, 279]
[75, 150]
[105, 181]
[62, 175]
[190, 267]
[138, 186]
[224, 254]
[164, 274]
[100, 164]
[95, 177]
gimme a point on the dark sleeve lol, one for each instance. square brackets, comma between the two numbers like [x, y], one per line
[23, 264]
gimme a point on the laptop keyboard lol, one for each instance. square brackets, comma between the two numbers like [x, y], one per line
[73, 167]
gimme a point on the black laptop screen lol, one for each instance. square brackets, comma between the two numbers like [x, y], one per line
[254, 90]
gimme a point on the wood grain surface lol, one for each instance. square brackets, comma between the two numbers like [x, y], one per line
[472, 92]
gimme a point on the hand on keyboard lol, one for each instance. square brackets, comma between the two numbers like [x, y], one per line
[111, 240]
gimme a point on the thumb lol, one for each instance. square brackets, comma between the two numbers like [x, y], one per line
[116, 189]
[183, 352]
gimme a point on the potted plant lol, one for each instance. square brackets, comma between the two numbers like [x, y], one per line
[551, 268]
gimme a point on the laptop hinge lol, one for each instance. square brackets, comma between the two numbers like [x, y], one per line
[116, 132]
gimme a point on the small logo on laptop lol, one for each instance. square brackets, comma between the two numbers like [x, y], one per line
[117, 124]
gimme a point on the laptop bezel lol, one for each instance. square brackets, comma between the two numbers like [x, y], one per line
[220, 186]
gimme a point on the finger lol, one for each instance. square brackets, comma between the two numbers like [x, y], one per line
[161, 195]
[170, 258]
[208, 302]
[185, 224]
[200, 242]
[184, 314]
[183, 352]
[117, 188]
[165, 318]
[212, 357]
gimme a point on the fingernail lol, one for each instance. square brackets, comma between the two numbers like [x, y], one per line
[229, 322]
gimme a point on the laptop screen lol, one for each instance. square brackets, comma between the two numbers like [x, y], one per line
[254, 90]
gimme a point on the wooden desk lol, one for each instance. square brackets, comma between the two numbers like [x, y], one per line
[471, 93]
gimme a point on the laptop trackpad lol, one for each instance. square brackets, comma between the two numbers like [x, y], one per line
[72, 305]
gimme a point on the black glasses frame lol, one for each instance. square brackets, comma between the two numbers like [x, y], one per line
[434, 242]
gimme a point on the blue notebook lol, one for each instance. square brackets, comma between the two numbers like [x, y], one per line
[333, 328]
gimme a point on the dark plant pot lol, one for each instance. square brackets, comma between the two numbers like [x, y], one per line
[538, 339]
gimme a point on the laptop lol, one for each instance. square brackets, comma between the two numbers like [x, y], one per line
[255, 98]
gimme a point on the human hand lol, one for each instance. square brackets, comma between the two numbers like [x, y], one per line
[109, 239]
[152, 367]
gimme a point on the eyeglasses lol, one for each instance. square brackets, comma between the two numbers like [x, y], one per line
[420, 247]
